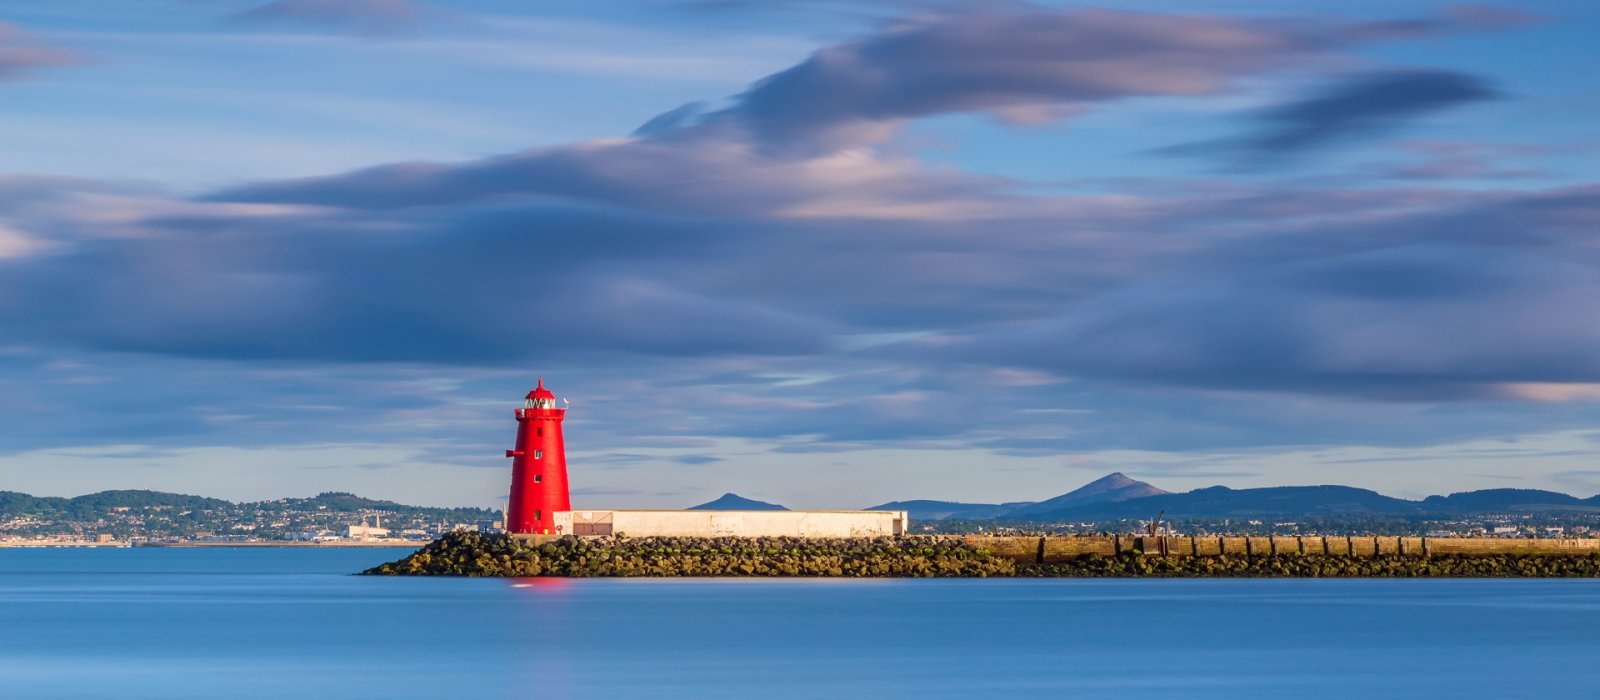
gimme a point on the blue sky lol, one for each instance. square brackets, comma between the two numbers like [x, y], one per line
[823, 254]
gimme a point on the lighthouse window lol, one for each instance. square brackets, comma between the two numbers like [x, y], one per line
[538, 454]
[538, 478]
[538, 515]
[541, 431]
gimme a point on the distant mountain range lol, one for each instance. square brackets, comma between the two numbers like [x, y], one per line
[1116, 496]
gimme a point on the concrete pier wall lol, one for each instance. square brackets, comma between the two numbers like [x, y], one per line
[734, 523]
[1049, 550]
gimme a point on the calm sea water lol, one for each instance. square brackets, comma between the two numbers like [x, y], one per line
[210, 623]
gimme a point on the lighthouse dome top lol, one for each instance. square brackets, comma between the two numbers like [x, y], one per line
[539, 392]
[541, 397]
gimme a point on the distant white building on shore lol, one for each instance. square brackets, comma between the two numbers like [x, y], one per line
[367, 532]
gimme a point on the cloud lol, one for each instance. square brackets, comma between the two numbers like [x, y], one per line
[1549, 391]
[714, 281]
[1001, 61]
[1358, 107]
[1452, 305]
[701, 176]
[470, 285]
[1455, 160]
[1025, 65]
[362, 16]
[21, 54]
[14, 243]
[1423, 295]
[807, 142]
[1367, 104]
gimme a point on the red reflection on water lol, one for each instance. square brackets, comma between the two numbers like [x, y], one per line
[542, 584]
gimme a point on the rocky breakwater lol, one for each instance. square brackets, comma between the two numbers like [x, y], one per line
[474, 554]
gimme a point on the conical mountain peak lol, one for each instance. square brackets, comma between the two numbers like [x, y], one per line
[1112, 487]
[733, 501]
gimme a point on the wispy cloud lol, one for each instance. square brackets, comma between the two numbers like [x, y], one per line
[1358, 107]
[22, 54]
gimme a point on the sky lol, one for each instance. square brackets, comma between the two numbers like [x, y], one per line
[825, 254]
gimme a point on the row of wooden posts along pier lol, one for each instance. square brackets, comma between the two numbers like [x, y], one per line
[1049, 550]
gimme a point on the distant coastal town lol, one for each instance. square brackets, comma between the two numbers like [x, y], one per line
[152, 518]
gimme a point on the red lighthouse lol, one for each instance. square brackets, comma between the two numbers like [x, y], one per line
[538, 466]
